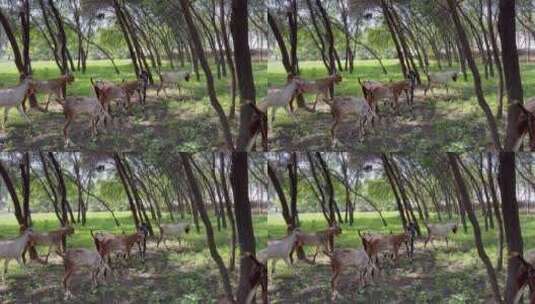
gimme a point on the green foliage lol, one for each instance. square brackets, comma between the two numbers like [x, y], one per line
[380, 191]
[111, 39]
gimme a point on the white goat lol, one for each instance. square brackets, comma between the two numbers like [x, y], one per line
[344, 106]
[175, 231]
[357, 259]
[529, 256]
[280, 98]
[74, 259]
[76, 105]
[318, 239]
[439, 231]
[440, 79]
[13, 249]
[278, 250]
[14, 96]
[52, 239]
[174, 79]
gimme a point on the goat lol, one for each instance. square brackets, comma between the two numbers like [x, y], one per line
[530, 256]
[526, 124]
[412, 231]
[525, 278]
[318, 239]
[343, 107]
[53, 87]
[13, 249]
[375, 91]
[395, 241]
[74, 259]
[321, 87]
[257, 277]
[172, 79]
[143, 85]
[406, 86]
[143, 228]
[73, 106]
[107, 92]
[15, 96]
[172, 231]
[279, 250]
[52, 239]
[376, 244]
[121, 244]
[281, 98]
[439, 231]
[343, 259]
[257, 125]
[440, 78]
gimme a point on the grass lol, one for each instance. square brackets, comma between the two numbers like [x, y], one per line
[453, 122]
[436, 276]
[187, 274]
[188, 125]
[184, 274]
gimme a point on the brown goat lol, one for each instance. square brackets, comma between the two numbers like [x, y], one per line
[52, 239]
[120, 244]
[53, 87]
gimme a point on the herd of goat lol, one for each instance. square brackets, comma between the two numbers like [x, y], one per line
[378, 250]
[364, 110]
[98, 107]
[98, 261]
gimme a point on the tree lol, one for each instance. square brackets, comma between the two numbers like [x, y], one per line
[198, 201]
[465, 200]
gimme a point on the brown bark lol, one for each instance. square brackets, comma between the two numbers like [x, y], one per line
[465, 200]
[210, 239]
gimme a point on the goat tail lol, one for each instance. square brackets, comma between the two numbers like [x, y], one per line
[327, 253]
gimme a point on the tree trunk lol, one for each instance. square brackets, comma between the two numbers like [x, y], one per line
[465, 200]
[210, 239]
[463, 40]
[511, 220]
[242, 209]
[197, 44]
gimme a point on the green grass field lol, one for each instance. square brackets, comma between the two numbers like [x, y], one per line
[437, 275]
[443, 122]
[186, 125]
[185, 274]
